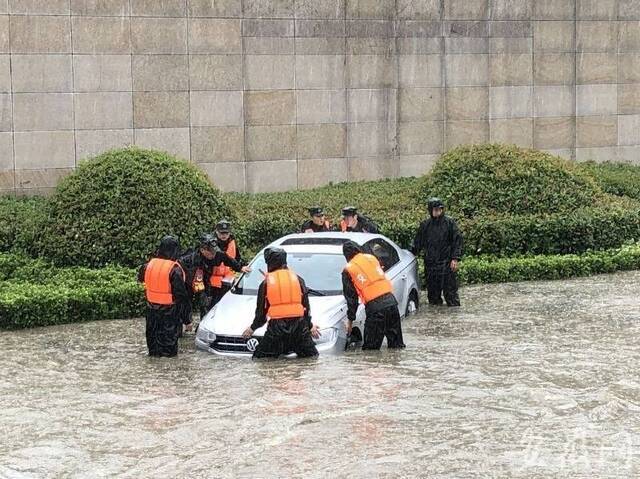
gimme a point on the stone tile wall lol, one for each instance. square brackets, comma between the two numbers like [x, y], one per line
[269, 95]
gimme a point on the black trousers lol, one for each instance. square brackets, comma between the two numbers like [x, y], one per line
[163, 328]
[284, 336]
[381, 324]
[441, 280]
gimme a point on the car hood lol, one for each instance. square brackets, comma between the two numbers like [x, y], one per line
[235, 312]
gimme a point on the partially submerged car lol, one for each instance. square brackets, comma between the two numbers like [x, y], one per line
[318, 259]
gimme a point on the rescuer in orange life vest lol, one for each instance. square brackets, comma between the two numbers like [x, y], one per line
[318, 222]
[353, 221]
[283, 300]
[227, 243]
[199, 265]
[168, 301]
[364, 279]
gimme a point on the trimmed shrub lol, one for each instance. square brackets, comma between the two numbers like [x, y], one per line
[584, 229]
[620, 179]
[489, 269]
[116, 207]
[24, 305]
[35, 293]
[504, 179]
[21, 222]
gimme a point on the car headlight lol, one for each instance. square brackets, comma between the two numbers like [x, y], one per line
[205, 335]
[327, 335]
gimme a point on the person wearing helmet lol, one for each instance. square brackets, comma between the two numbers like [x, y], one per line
[318, 223]
[356, 222]
[227, 243]
[440, 240]
[283, 301]
[168, 301]
[363, 280]
[199, 264]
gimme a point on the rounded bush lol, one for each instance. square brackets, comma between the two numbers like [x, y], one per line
[504, 179]
[115, 208]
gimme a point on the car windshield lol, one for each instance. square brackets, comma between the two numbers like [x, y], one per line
[321, 273]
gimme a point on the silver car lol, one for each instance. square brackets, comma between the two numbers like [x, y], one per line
[318, 259]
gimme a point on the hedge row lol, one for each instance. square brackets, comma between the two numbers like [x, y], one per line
[265, 217]
[591, 228]
[595, 228]
[507, 200]
[551, 267]
[34, 293]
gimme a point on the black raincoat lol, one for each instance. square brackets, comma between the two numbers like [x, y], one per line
[441, 241]
[382, 315]
[194, 260]
[283, 336]
[364, 225]
[164, 322]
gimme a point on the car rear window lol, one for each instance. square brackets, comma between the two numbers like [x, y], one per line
[316, 240]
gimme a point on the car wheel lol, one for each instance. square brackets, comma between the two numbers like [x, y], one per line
[413, 304]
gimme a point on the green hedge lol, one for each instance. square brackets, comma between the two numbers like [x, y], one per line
[490, 179]
[265, 217]
[21, 222]
[584, 229]
[116, 207]
[620, 179]
[499, 270]
[34, 293]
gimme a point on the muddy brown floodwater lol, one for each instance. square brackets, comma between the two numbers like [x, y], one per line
[532, 379]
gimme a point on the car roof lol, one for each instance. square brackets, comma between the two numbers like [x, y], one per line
[330, 242]
[331, 237]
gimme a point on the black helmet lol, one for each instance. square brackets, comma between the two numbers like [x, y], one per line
[350, 249]
[223, 226]
[207, 241]
[316, 211]
[349, 211]
[435, 203]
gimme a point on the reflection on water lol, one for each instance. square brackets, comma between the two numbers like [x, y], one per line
[528, 379]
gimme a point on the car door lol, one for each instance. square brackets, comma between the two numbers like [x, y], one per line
[389, 259]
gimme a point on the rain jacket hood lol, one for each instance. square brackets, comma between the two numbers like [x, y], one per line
[350, 249]
[276, 258]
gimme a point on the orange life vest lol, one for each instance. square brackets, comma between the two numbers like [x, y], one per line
[156, 280]
[223, 271]
[284, 295]
[368, 277]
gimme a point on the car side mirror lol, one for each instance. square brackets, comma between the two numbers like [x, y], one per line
[227, 282]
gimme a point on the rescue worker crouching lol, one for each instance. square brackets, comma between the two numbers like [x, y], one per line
[353, 221]
[440, 239]
[318, 222]
[199, 265]
[283, 301]
[168, 300]
[227, 243]
[364, 279]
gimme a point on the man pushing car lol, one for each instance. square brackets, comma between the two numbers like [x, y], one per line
[283, 301]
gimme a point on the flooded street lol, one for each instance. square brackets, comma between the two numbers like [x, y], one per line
[525, 380]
